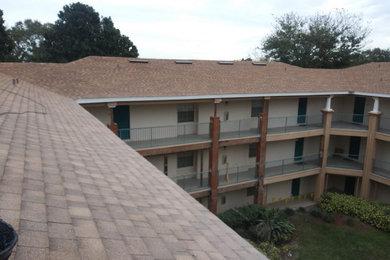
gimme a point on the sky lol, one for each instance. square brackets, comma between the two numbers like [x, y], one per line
[203, 29]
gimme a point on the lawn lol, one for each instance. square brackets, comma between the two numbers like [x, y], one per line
[315, 239]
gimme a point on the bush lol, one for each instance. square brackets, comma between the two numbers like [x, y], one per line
[328, 218]
[242, 217]
[268, 249]
[301, 210]
[350, 222]
[316, 213]
[372, 213]
[289, 212]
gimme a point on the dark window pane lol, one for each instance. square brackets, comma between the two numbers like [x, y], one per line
[252, 150]
[185, 159]
[257, 107]
[185, 113]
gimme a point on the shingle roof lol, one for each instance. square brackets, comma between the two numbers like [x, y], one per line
[73, 190]
[103, 77]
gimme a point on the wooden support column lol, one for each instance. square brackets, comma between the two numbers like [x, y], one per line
[260, 154]
[213, 164]
[369, 154]
[324, 147]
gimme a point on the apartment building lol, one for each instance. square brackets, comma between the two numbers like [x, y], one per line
[233, 133]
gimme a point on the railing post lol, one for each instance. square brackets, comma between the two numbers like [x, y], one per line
[213, 163]
[239, 128]
[324, 147]
[370, 153]
[260, 155]
[285, 124]
[184, 133]
[151, 136]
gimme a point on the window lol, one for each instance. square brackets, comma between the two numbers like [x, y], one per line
[250, 191]
[257, 107]
[185, 159]
[185, 113]
[223, 200]
[252, 150]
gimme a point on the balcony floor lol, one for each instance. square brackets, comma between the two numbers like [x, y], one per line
[180, 139]
[381, 172]
[295, 128]
[344, 162]
[290, 168]
[348, 125]
[237, 134]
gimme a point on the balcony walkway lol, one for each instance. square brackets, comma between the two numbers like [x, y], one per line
[381, 168]
[345, 162]
[295, 128]
[180, 139]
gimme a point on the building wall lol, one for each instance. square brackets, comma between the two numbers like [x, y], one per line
[233, 199]
[336, 182]
[382, 150]
[102, 113]
[153, 115]
[315, 105]
[278, 190]
[382, 193]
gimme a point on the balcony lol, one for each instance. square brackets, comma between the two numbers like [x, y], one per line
[285, 124]
[239, 128]
[237, 174]
[384, 125]
[345, 161]
[350, 121]
[381, 168]
[193, 181]
[291, 165]
[144, 137]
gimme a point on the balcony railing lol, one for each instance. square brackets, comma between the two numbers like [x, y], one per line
[381, 168]
[237, 174]
[350, 121]
[239, 128]
[165, 135]
[384, 125]
[345, 161]
[193, 181]
[286, 124]
[291, 165]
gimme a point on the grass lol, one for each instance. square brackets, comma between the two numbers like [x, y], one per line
[318, 240]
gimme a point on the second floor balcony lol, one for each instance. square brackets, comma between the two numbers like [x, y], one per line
[381, 168]
[285, 124]
[384, 125]
[291, 165]
[350, 121]
[345, 161]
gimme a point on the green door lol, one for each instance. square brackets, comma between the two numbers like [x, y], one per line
[295, 187]
[354, 147]
[302, 107]
[349, 186]
[298, 149]
[358, 109]
[122, 119]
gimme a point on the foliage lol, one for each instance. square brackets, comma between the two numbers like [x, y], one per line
[79, 32]
[369, 212]
[376, 55]
[28, 37]
[6, 43]
[289, 212]
[316, 213]
[301, 210]
[259, 223]
[328, 218]
[268, 249]
[332, 40]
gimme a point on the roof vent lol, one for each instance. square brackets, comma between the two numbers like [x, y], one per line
[259, 64]
[138, 61]
[225, 62]
[183, 62]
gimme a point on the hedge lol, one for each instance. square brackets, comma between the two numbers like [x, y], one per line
[373, 213]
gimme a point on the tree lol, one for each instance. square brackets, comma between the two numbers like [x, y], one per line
[6, 43]
[28, 37]
[332, 40]
[376, 55]
[79, 32]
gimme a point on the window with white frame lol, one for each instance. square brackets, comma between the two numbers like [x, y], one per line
[185, 159]
[185, 113]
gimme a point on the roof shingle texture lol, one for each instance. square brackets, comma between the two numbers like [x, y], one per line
[103, 77]
[73, 190]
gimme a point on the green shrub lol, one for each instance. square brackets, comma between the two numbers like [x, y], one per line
[268, 249]
[289, 212]
[372, 213]
[328, 218]
[301, 210]
[243, 217]
[316, 213]
[350, 222]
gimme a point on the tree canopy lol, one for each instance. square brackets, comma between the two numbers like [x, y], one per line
[333, 40]
[28, 37]
[79, 32]
[6, 43]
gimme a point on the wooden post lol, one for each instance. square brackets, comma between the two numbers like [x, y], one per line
[260, 155]
[213, 164]
[327, 124]
[369, 154]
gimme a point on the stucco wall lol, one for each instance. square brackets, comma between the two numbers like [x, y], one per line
[101, 112]
[233, 199]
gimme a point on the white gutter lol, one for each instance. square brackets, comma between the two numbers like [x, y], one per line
[200, 97]
[370, 94]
